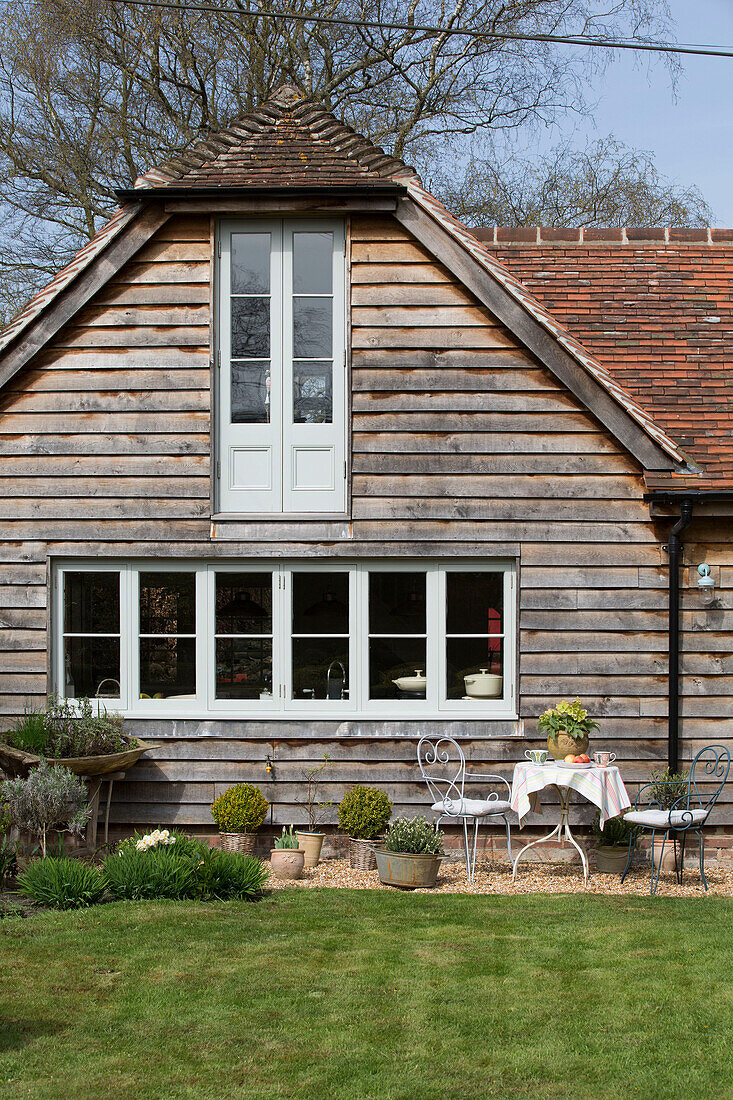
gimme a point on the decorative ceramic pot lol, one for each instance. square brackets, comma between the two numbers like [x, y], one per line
[611, 859]
[287, 863]
[408, 871]
[311, 843]
[562, 744]
[483, 684]
[668, 861]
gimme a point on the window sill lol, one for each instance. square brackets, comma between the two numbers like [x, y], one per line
[320, 715]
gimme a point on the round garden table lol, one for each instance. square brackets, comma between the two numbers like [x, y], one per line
[604, 787]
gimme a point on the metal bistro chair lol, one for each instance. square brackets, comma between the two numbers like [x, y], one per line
[446, 779]
[689, 812]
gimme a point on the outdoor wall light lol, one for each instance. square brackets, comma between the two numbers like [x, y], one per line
[705, 581]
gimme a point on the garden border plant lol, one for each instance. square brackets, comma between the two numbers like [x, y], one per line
[238, 812]
[363, 815]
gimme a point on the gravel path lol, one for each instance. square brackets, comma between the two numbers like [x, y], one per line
[546, 878]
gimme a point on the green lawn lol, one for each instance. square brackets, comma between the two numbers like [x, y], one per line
[354, 994]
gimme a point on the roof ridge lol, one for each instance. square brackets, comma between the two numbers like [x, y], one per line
[288, 101]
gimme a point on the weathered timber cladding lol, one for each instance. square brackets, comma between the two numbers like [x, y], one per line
[461, 445]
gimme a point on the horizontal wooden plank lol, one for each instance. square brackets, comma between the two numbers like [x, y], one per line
[394, 273]
[559, 508]
[150, 506]
[104, 315]
[476, 379]
[97, 485]
[377, 227]
[533, 576]
[124, 358]
[135, 294]
[165, 272]
[123, 378]
[124, 422]
[39, 468]
[387, 252]
[481, 336]
[121, 400]
[473, 422]
[416, 401]
[549, 640]
[436, 440]
[192, 227]
[391, 316]
[150, 531]
[470, 463]
[22, 595]
[411, 294]
[150, 336]
[166, 251]
[23, 660]
[624, 491]
[641, 599]
[387, 360]
[104, 443]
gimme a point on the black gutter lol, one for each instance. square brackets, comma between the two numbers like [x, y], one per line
[674, 546]
[376, 189]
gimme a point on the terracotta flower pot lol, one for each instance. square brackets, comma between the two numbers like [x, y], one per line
[562, 744]
[668, 857]
[311, 843]
[287, 863]
[611, 859]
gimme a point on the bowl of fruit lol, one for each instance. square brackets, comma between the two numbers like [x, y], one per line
[580, 761]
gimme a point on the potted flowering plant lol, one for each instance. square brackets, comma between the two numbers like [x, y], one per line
[567, 726]
[287, 858]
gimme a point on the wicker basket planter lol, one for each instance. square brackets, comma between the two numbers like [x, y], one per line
[244, 843]
[361, 854]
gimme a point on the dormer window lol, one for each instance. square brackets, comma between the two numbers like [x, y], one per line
[282, 366]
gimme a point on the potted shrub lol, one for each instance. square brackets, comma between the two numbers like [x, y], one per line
[85, 742]
[49, 799]
[363, 815]
[411, 854]
[310, 839]
[665, 789]
[567, 726]
[286, 858]
[238, 813]
[613, 844]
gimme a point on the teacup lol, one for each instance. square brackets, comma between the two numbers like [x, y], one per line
[603, 759]
[537, 756]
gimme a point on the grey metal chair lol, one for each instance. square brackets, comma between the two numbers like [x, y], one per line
[688, 813]
[443, 767]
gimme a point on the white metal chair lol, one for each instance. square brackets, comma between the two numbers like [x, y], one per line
[443, 767]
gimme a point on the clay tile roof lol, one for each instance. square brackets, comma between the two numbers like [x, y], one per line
[290, 141]
[655, 307]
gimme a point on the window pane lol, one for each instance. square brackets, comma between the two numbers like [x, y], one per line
[312, 659]
[320, 603]
[475, 602]
[91, 667]
[312, 393]
[243, 667]
[250, 393]
[313, 263]
[390, 659]
[243, 603]
[250, 263]
[312, 328]
[167, 603]
[469, 656]
[396, 603]
[250, 328]
[167, 667]
[92, 603]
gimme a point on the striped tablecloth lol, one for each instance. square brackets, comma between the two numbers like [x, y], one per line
[604, 787]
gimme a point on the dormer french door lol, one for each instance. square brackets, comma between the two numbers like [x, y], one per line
[282, 367]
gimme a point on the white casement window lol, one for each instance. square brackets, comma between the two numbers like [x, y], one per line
[281, 424]
[383, 639]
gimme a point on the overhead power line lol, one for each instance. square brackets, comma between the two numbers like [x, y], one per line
[698, 49]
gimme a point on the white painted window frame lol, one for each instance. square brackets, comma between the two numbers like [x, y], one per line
[281, 434]
[436, 705]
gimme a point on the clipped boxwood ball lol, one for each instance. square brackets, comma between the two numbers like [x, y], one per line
[364, 812]
[241, 809]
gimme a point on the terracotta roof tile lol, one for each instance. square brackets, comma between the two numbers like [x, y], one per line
[658, 314]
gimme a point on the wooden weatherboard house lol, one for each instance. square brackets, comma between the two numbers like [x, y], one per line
[285, 432]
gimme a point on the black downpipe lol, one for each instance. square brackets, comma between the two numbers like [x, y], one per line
[674, 547]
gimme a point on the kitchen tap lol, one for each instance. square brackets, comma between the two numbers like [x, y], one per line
[337, 691]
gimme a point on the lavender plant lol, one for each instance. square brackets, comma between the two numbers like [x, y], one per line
[49, 798]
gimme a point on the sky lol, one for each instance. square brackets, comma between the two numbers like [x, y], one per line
[692, 134]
